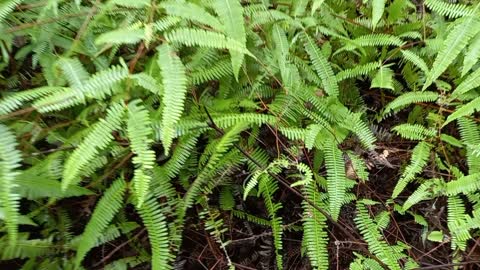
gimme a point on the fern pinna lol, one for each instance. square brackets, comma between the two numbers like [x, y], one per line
[250, 134]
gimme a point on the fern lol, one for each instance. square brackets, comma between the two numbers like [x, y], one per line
[98, 139]
[231, 15]
[373, 40]
[472, 55]
[414, 131]
[359, 70]
[464, 110]
[383, 78]
[129, 35]
[202, 38]
[323, 68]
[470, 82]
[336, 179]
[466, 184]
[139, 133]
[10, 159]
[315, 237]
[409, 98]
[156, 225]
[449, 9]
[455, 42]
[420, 155]
[104, 212]
[175, 84]
[416, 60]
[193, 12]
[14, 101]
[378, 7]
[6, 7]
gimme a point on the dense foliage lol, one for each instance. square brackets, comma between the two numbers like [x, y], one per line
[344, 132]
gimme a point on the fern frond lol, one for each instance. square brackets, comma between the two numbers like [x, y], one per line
[358, 70]
[25, 247]
[470, 82]
[370, 233]
[456, 213]
[463, 185]
[414, 131]
[420, 156]
[6, 7]
[192, 12]
[73, 71]
[354, 123]
[197, 37]
[470, 136]
[383, 79]
[447, 9]
[166, 22]
[407, 99]
[97, 140]
[322, 66]
[226, 120]
[315, 236]
[378, 7]
[218, 70]
[222, 146]
[416, 60]
[105, 210]
[128, 35]
[464, 110]
[148, 82]
[10, 159]
[156, 224]
[175, 83]
[336, 179]
[424, 192]
[140, 135]
[231, 15]
[455, 42]
[12, 102]
[472, 55]
[373, 40]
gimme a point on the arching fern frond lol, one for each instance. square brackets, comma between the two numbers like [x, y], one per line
[105, 210]
[447, 9]
[156, 224]
[192, 12]
[358, 70]
[464, 110]
[12, 102]
[420, 155]
[407, 99]
[73, 71]
[322, 66]
[336, 179]
[6, 7]
[230, 13]
[175, 83]
[97, 140]
[470, 82]
[472, 55]
[463, 185]
[416, 60]
[414, 131]
[10, 159]
[455, 42]
[140, 133]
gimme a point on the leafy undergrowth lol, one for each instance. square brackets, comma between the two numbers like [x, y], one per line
[228, 134]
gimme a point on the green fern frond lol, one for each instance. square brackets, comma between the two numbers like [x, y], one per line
[156, 224]
[407, 99]
[463, 185]
[315, 236]
[447, 9]
[416, 60]
[10, 159]
[73, 71]
[166, 22]
[456, 41]
[336, 179]
[175, 84]
[98, 139]
[140, 135]
[378, 7]
[370, 233]
[221, 147]
[464, 110]
[423, 192]
[105, 210]
[12, 102]
[358, 70]
[472, 81]
[148, 82]
[470, 136]
[127, 35]
[192, 12]
[456, 213]
[414, 131]
[226, 120]
[218, 70]
[383, 78]
[322, 66]
[359, 166]
[6, 7]
[230, 13]
[25, 247]
[419, 159]
[472, 55]
[198, 37]
[373, 40]
[354, 123]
